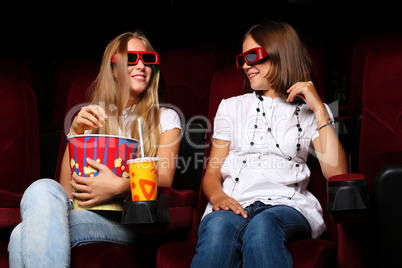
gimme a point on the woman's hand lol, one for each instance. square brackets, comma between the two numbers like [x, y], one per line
[224, 202]
[89, 117]
[307, 92]
[99, 189]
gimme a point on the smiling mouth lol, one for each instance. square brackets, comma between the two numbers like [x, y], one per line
[252, 75]
[140, 77]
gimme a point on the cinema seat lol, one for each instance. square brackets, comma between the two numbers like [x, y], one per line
[361, 48]
[19, 149]
[381, 149]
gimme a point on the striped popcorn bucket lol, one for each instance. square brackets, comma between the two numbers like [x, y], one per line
[111, 151]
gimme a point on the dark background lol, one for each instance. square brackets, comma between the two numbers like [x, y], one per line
[52, 31]
[46, 33]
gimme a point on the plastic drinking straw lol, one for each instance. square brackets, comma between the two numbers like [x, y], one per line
[141, 140]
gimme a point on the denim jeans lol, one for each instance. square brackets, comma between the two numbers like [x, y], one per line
[228, 240]
[49, 229]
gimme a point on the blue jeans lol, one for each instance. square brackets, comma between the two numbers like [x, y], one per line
[49, 229]
[228, 240]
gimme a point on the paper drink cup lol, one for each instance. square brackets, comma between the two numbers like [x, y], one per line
[144, 178]
[111, 151]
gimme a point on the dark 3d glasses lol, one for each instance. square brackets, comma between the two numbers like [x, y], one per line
[133, 57]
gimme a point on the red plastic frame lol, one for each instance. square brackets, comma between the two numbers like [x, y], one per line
[139, 57]
[260, 52]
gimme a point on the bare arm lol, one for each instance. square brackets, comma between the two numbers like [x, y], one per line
[330, 153]
[212, 181]
[329, 150]
[167, 153]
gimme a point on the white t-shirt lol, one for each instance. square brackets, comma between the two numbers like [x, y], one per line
[267, 176]
[169, 119]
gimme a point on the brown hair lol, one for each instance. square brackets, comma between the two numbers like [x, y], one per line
[290, 62]
[111, 90]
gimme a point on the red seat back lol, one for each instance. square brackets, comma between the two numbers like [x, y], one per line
[319, 69]
[65, 75]
[19, 142]
[79, 96]
[361, 49]
[381, 130]
[187, 76]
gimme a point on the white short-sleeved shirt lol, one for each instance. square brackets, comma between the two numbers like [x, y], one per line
[169, 119]
[267, 176]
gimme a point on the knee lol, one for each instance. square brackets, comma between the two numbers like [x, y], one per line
[47, 190]
[264, 222]
[216, 228]
[44, 186]
[15, 238]
[214, 224]
[262, 230]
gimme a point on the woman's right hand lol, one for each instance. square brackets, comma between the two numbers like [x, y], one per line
[89, 117]
[223, 201]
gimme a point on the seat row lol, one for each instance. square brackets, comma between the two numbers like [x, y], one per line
[379, 144]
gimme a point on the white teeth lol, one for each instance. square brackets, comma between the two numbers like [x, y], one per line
[252, 75]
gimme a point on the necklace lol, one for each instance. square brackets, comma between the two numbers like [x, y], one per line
[269, 130]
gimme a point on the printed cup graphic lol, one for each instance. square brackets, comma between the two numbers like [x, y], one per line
[111, 151]
[144, 178]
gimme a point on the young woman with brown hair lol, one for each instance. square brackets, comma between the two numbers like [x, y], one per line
[256, 179]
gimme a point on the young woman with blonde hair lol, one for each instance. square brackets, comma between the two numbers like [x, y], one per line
[125, 89]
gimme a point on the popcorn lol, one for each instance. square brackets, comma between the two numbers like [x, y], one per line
[117, 162]
[90, 170]
[72, 163]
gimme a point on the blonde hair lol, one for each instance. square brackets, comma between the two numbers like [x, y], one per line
[290, 62]
[112, 91]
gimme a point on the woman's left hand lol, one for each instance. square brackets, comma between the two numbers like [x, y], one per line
[95, 190]
[307, 92]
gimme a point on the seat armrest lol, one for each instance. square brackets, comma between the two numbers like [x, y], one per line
[9, 199]
[348, 198]
[182, 206]
[178, 198]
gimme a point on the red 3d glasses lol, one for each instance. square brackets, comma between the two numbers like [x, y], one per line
[133, 57]
[251, 56]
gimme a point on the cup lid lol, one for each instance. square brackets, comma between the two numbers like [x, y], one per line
[142, 159]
